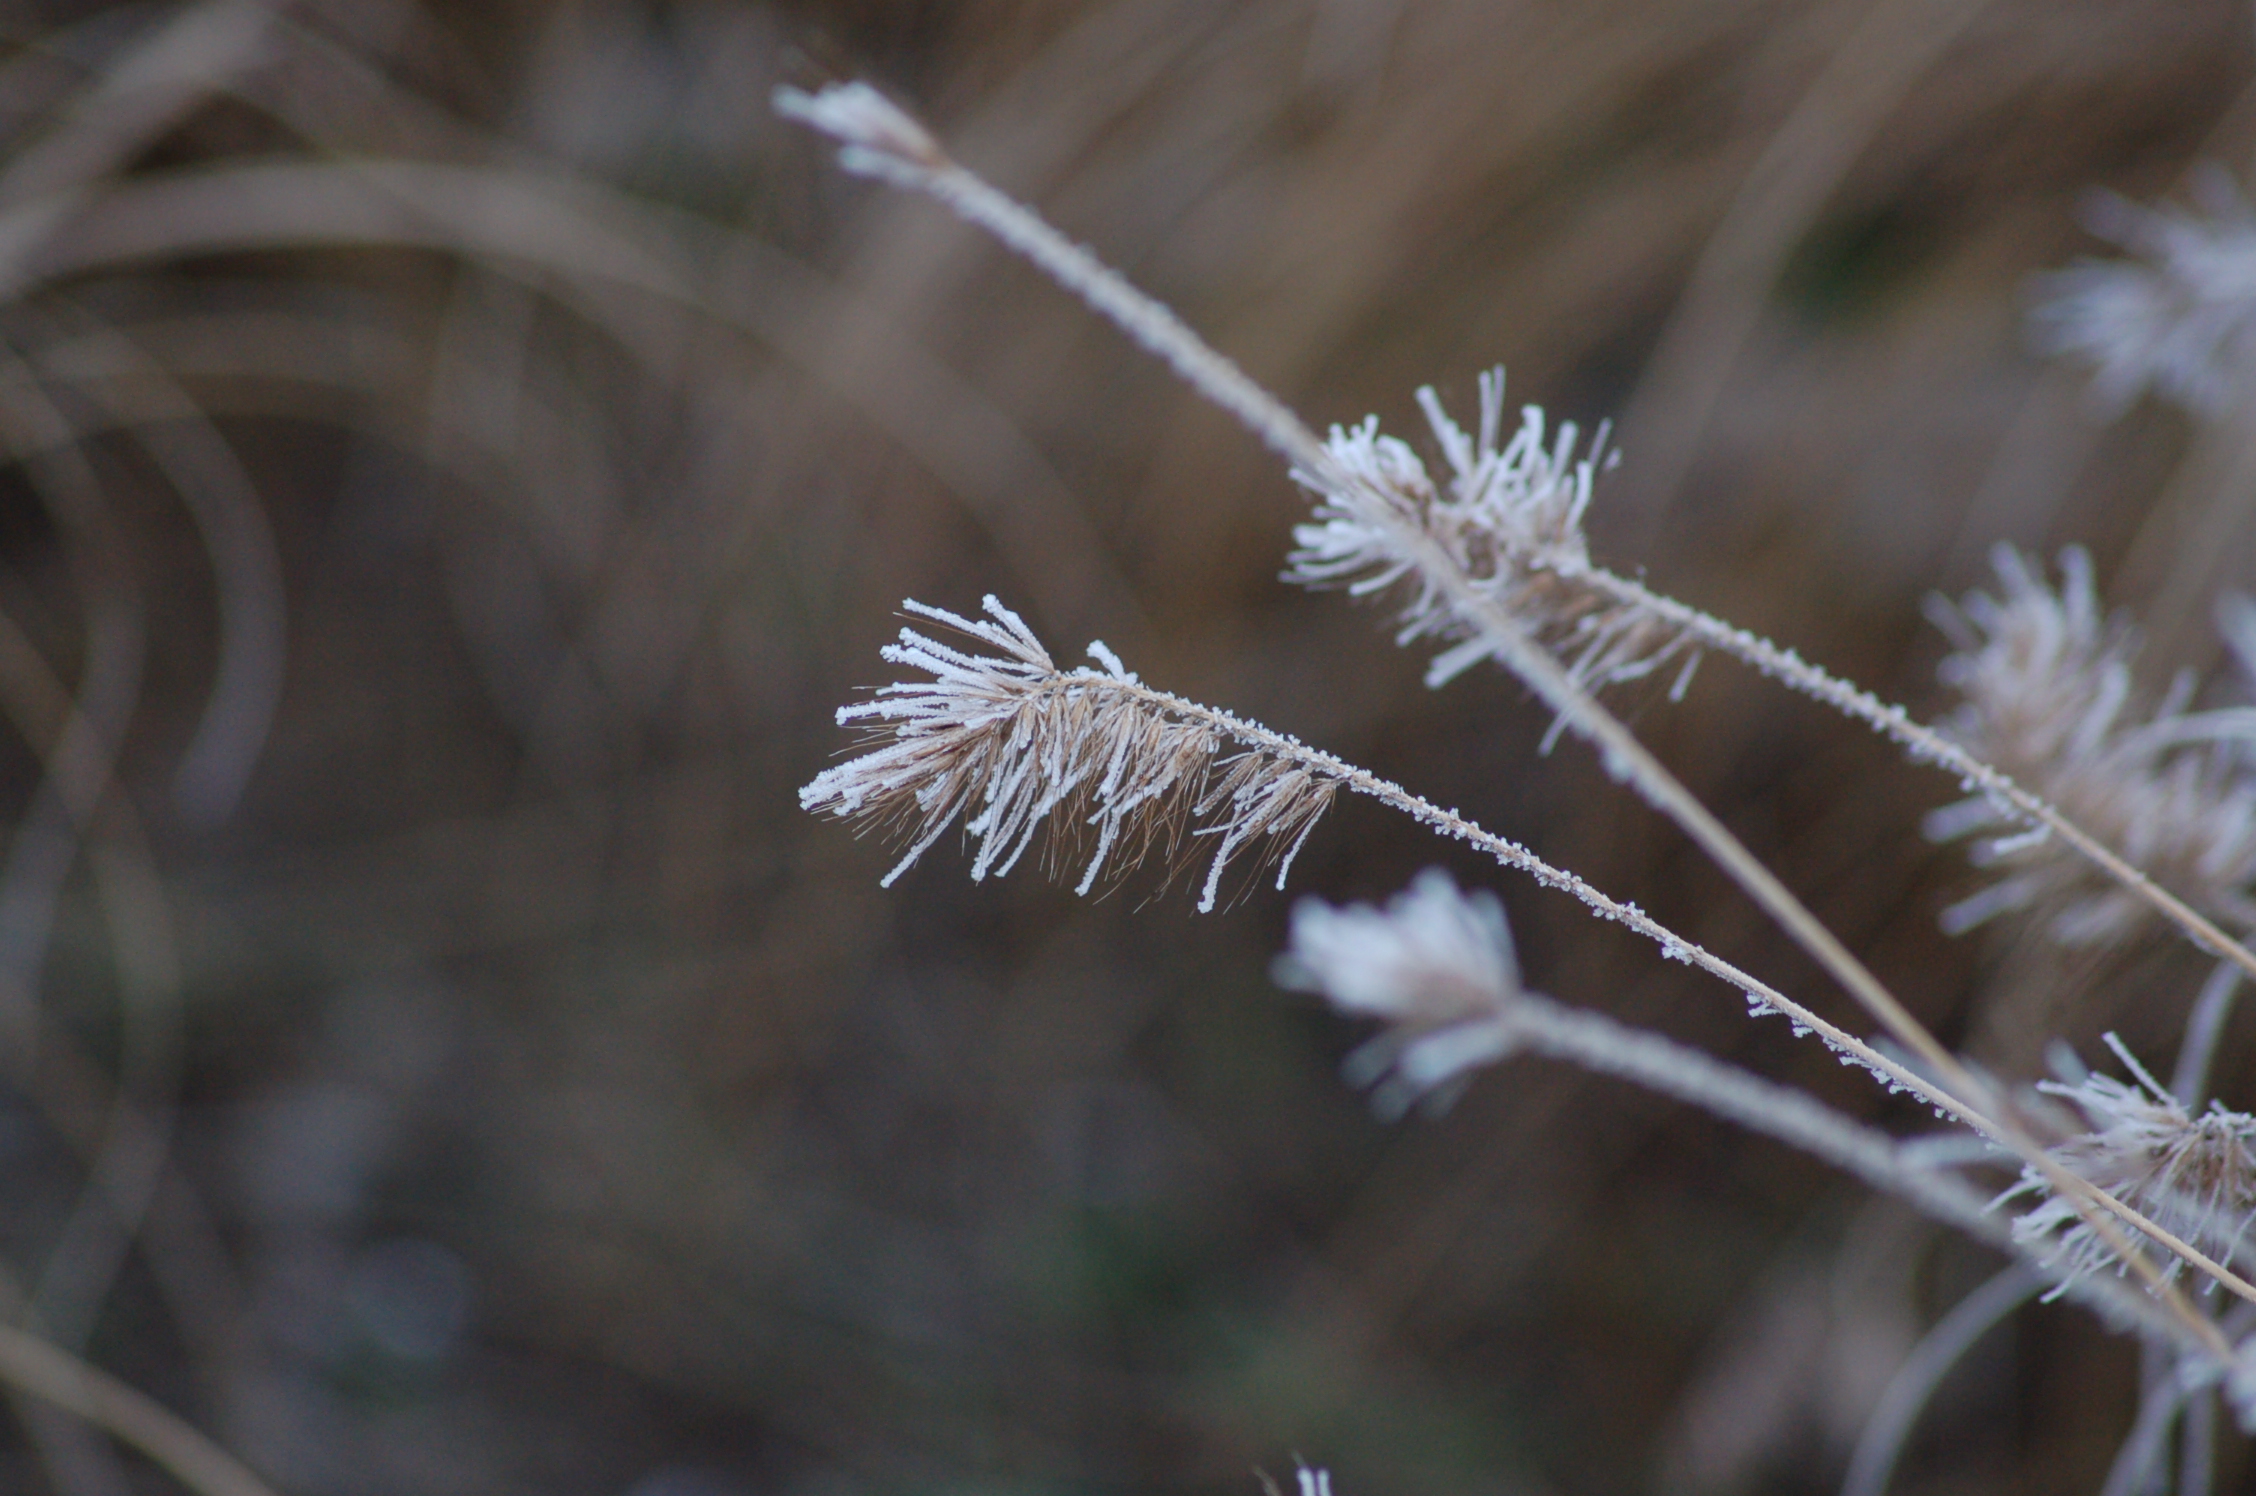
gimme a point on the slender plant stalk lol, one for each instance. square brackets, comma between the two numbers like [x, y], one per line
[2205, 1025]
[2197, 1444]
[2133, 1470]
[31, 1365]
[1925, 744]
[1598, 1043]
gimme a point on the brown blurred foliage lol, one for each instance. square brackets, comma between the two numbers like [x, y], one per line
[462, 456]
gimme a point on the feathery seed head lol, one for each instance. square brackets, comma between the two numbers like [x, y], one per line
[1011, 747]
[2194, 1176]
[2046, 695]
[1508, 519]
[1436, 964]
[2041, 671]
[2179, 318]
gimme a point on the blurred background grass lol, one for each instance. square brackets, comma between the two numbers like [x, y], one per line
[462, 456]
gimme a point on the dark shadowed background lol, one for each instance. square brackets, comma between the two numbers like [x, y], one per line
[460, 459]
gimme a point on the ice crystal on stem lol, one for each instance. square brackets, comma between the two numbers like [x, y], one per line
[1009, 745]
[1508, 520]
[1436, 964]
[2195, 1176]
[2047, 697]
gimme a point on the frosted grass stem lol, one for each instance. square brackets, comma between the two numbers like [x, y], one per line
[1924, 744]
[1599, 1044]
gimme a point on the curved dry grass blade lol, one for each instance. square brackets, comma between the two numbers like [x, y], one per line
[584, 243]
[1908, 1392]
[246, 568]
[144, 93]
[2205, 1026]
[136, 1144]
[2139, 1461]
[31, 1365]
[132, 1154]
[81, 756]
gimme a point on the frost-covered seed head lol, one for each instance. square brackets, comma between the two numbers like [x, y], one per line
[2195, 1176]
[2178, 318]
[1436, 964]
[2047, 696]
[1011, 747]
[1508, 518]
